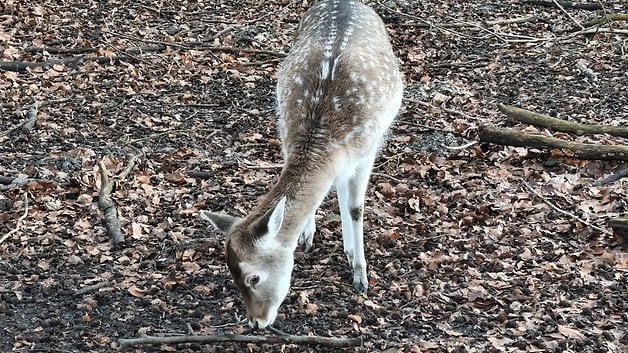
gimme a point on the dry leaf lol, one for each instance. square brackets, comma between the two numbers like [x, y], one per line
[570, 332]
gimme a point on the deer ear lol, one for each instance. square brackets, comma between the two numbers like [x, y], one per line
[271, 222]
[222, 222]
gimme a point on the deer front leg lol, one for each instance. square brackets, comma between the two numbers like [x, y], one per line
[306, 238]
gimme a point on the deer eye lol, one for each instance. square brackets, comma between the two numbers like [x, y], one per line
[253, 280]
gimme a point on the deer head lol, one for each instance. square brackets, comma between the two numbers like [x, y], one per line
[259, 261]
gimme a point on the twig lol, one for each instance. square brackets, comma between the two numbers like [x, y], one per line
[566, 213]
[271, 13]
[227, 337]
[465, 146]
[200, 174]
[384, 175]
[175, 131]
[567, 13]
[18, 223]
[92, 288]
[220, 33]
[606, 18]
[52, 50]
[611, 178]
[20, 66]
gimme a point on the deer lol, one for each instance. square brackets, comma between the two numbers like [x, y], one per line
[338, 91]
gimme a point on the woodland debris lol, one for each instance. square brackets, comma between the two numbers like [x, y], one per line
[542, 120]
[606, 18]
[566, 213]
[227, 337]
[591, 6]
[611, 178]
[106, 204]
[560, 148]
[619, 226]
[19, 220]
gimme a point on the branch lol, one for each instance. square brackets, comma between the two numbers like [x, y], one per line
[227, 337]
[53, 50]
[611, 178]
[606, 18]
[568, 4]
[511, 137]
[557, 209]
[536, 119]
[21, 66]
[106, 204]
[558, 4]
[18, 223]
[619, 226]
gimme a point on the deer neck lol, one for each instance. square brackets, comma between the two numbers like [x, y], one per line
[304, 183]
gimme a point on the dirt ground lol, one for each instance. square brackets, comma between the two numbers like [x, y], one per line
[463, 255]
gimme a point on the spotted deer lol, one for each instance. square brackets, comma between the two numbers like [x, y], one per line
[338, 91]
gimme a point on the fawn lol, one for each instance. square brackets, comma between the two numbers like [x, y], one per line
[338, 91]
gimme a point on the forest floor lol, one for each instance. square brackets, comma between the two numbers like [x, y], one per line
[474, 249]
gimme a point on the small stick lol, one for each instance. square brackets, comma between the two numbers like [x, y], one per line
[18, 223]
[92, 288]
[566, 213]
[567, 13]
[227, 337]
[465, 146]
[611, 178]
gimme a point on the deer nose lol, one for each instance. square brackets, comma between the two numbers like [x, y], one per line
[258, 323]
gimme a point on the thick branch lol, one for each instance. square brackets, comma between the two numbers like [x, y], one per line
[619, 226]
[606, 18]
[510, 137]
[532, 118]
[568, 4]
[105, 203]
[282, 339]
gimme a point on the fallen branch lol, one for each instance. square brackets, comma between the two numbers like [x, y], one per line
[568, 4]
[606, 18]
[611, 178]
[21, 66]
[542, 120]
[18, 223]
[53, 50]
[227, 337]
[566, 213]
[619, 226]
[106, 204]
[511, 137]
[199, 174]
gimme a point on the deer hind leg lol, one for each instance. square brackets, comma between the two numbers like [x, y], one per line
[306, 238]
[351, 201]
